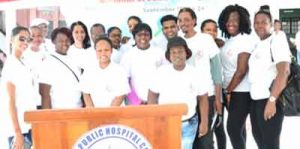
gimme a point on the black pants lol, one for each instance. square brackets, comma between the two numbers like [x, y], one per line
[266, 133]
[205, 142]
[238, 110]
[220, 133]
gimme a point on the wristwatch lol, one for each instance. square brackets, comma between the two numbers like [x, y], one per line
[272, 99]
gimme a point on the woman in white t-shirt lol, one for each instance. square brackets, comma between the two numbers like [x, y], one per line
[180, 83]
[234, 22]
[17, 91]
[140, 63]
[80, 44]
[58, 76]
[268, 74]
[106, 83]
[132, 21]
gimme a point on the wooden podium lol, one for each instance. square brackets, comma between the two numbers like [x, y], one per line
[60, 129]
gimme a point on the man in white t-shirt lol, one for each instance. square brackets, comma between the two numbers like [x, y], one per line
[180, 83]
[34, 56]
[106, 84]
[169, 28]
[205, 58]
[96, 31]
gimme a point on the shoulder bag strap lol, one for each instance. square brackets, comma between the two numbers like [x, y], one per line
[66, 66]
[271, 51]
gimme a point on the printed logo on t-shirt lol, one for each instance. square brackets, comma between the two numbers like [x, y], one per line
[230, 52]
[199, 54]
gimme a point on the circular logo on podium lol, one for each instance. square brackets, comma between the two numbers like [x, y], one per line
[112, 137]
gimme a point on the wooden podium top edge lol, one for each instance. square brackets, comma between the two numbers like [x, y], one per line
[110, 112]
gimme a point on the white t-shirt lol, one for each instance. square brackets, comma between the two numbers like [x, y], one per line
[229, 59]
[79, 56]
[140, 66]
[18, 74]
[262, 71]
[131, 42]
[281, 34]
[161, 42]
[203, 48]
[105, 84]
[297, 41]
[34, 60]
[48, 46]
[64, 90]
[117, 55]
[89, 58]
[179, 86]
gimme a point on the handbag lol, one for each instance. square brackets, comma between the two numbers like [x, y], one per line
[290, 96]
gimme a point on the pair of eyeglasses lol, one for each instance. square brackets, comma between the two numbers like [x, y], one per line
[23, 39]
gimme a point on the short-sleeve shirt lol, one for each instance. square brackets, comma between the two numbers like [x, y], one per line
[161, 42]
[104, 85]
[34, 60]
[78, 56]
[19, 75]
[203, 49]
[140, 65]
[229, 58]
[117, 54]
[175, 86]
[64, 89]
[262, 71]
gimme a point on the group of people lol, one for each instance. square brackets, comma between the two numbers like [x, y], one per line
[184, 66]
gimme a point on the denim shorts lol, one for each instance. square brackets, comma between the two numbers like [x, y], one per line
[188, 132]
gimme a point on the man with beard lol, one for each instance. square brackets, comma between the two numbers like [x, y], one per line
[205, 59]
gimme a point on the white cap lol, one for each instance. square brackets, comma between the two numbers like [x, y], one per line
[38, 21]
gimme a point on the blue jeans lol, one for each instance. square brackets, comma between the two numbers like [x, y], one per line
[188, 132]
[27, 140]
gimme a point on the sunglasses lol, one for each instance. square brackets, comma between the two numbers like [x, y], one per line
[24, 39]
